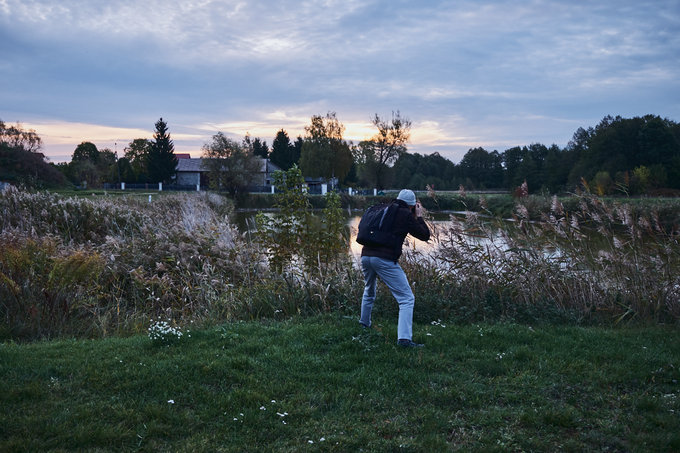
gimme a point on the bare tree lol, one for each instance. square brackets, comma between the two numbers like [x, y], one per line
[385, 147]
[18, 137]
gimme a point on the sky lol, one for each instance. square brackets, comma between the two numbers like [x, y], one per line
[467, 73]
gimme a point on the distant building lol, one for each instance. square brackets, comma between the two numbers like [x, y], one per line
[266, 175]
[314, 183]
[192, 171]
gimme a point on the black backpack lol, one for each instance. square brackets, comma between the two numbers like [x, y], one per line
[375, 227]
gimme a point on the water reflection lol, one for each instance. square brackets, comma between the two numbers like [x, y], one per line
[491, 246]
[438, 223]
[426, 248]
[488, 245]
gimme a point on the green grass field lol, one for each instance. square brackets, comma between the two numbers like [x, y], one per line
[324, 384]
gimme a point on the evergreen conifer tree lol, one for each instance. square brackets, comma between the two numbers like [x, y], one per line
[162, 160]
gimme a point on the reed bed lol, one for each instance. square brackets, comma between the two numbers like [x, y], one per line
[602, 261]
[108, 266]
[75, 266]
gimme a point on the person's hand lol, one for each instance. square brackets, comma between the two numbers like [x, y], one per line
[419, 209]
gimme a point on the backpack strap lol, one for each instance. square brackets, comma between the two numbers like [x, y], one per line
[384, 214]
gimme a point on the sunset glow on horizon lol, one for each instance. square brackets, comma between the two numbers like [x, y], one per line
[494, 74]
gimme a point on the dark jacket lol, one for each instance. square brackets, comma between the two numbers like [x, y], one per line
[405, 223]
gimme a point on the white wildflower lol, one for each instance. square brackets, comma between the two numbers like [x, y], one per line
[163, 332]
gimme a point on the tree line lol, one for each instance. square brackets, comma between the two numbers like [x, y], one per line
[143, 161]
[22, 163]
[628, 156]
[620, 155]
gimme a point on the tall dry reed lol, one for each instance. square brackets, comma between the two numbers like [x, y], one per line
[598, 260]
[96, 267]
[93, 267]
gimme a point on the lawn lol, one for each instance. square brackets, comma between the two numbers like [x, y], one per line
[324, 384]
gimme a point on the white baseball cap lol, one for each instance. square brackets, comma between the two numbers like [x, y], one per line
[407, 196]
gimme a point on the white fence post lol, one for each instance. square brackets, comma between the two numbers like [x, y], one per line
[375, 192]
[350, 191]
[273, 189]
[122, 186]
[160, 187]
[324, 189]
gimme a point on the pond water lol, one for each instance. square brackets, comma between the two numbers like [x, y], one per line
[484, 247]
[439, 222]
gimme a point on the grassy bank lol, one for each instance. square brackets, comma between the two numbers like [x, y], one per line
[324, 384]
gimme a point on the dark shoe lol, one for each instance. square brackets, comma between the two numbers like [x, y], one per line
[409, 344]
[363, 326]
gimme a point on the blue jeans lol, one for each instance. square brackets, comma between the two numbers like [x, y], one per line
[394, 277]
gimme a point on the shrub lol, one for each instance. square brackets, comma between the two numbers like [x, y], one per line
[46, 288]
[293, 237]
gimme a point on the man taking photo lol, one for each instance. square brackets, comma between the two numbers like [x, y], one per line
[382, 261]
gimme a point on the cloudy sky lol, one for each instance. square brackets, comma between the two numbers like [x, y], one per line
[467, 73]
